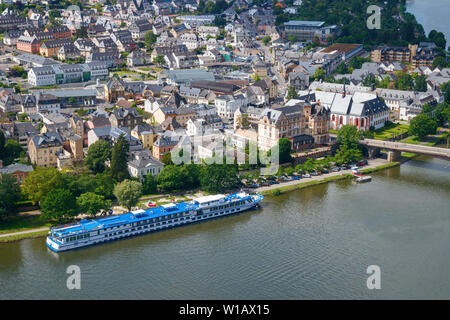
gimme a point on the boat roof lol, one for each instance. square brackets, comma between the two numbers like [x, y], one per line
[139, 215]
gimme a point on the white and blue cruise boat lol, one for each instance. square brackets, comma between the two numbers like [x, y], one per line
[89, 232]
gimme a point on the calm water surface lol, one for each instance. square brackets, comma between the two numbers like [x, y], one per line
[432, 14]
[311, 244]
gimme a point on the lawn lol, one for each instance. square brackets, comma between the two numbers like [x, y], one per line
[388, 131]
[22, 223]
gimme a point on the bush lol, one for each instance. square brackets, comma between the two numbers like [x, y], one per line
[276, 192]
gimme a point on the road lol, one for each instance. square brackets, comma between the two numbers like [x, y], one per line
[371, 164]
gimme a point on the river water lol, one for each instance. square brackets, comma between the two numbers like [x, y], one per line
[311, 244]
[432, 14]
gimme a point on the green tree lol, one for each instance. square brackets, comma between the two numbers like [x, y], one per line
[445, 88]
[104, 185]
[119, 159]
[92, 203]
[149, 186]
[348, 137]
[422, 125]
[159, 60]
[319, 74]
[150, 39]
[266, 40]
[420, 84]
[292, 93]
[219, 178]
[2, 145]
[439, 62]
[40, 182]
[172, 178]
[59, 204]
[98, 153]
[128, 192]
[9, 195]
[342, 68]
[284, 150]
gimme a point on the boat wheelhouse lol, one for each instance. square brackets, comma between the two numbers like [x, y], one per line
[89, 232]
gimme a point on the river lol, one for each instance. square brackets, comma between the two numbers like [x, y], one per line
[315, 243]
[432, 14]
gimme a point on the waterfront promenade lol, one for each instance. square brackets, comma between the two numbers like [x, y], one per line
[371, 164]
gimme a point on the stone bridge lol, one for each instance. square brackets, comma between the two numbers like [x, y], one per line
[395, 149]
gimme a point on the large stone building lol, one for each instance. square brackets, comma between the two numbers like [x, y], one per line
[274, 124]
[44, 149]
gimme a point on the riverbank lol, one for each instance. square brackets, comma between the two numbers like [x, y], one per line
[373, 166]
[23, 232]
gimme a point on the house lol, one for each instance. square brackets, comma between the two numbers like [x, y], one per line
[145, 133]
[50, 48]
[128, 118]
[269, 87]
[137, 58]
[68, 51]
[227, 104]
[143, 163]
[140, 28]
[18, 170]
[163, 145]
[110, 58]
[44, 149]
[28, 44]
[285, 122]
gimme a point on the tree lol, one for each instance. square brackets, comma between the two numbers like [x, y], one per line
[149, 186]
[128, 192]
[40, 181]
[439, 62]
[119, 159]
[348, 137]
[172, 178]
[342, 68]
[98, 153]
[59, 204]
[104, 185]
[219, 178]
[284, 150]
[266, 40]
[420, 84]
[422, 125]
[292, 93]
[445, 88]
[319, 74]
[438, 38]
[92, 203]
[150, 39]
[2, 145]
[13, 150]
[159, 60]
[9, 195]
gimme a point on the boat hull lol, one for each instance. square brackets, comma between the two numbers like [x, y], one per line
[195, 218]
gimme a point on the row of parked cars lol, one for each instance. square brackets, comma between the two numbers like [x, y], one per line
[267, 181]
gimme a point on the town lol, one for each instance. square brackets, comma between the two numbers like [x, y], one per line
[99, 99]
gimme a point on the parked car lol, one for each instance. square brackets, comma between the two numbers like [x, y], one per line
[362, 163]
[296, 178]
[306, 176]
[254, 186]
[314, 173]
[335, 169]
[355, 168]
